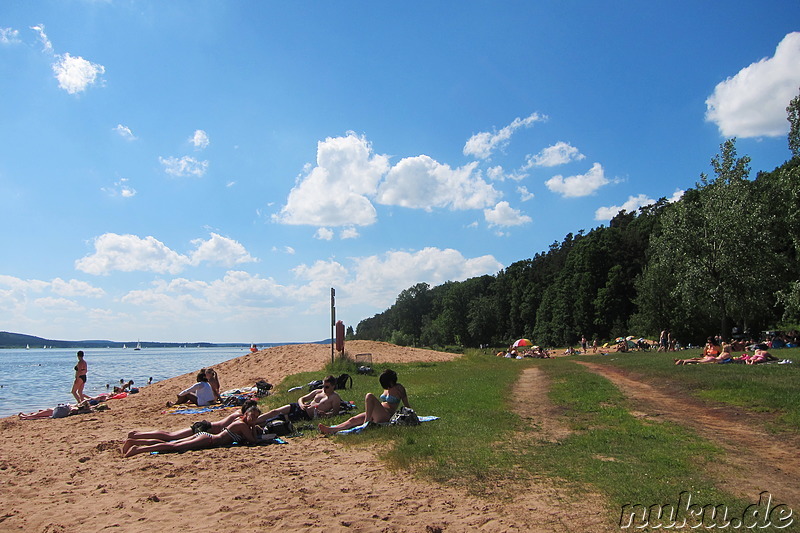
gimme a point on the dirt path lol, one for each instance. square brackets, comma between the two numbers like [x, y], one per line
[755, 460]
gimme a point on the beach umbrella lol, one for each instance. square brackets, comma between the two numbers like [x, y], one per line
[522, 342]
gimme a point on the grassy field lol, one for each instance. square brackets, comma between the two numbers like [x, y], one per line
[480, 444]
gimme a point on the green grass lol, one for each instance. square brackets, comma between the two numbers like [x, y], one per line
[481, 445]
[770, 388]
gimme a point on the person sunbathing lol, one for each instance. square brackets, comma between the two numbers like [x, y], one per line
[239, 432]
[722, 357]
[57, 412]
[376, 409]
[760, 356]
[318, 402]
[212, 427]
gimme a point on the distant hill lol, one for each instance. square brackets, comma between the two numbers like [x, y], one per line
[19, 340]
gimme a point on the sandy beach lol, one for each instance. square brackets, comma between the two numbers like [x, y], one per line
[67, 474]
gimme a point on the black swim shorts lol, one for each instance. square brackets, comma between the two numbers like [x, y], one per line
[297, 413]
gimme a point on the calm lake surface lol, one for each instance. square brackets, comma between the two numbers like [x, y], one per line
[40, 378]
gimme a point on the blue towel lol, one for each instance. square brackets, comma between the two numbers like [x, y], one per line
[362, 427]
[196, 410]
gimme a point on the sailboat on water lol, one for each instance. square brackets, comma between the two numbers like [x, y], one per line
[138, 346]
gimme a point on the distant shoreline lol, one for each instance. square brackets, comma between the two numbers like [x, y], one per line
[20, 341]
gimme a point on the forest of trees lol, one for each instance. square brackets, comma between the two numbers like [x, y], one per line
[724, 255]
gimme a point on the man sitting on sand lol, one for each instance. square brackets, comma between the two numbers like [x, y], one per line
[319, 402]
[199, 394]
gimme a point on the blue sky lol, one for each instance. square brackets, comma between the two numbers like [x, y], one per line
[207, 171]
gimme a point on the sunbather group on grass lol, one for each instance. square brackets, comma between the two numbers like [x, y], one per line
[712, 353]
[245, 426]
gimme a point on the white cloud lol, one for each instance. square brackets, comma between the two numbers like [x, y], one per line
[557, 154]
[631, 205]
[125, 132]
[753, 102]
[348, 233]
[335, 192]
[120, 188]
[184, 166]
[504, 215]
[74, 288]
[677, 195]
[200, 140]
[324, 234]
[579, 185]
[47, 46]
[524, 193]
[220, 250]
[128, 253]
[481, 145]
[497, 173]
[379, 279]
[423, 183]
[75, 74]
[9, 36]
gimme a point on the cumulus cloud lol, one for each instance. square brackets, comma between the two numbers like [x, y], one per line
[74, 74]
[632, 204]
[524, 193]
[349, 233]
[578, 185]
[219, 250]
[336, 191]
[423, 183]
[497, 173]
[504, 215]
[324, 234]
[379, 279]
[125, 132]
[557, 154]
[129, 253]
[481, 145]
[9, 36]
[677, 195]
[753, 102]
[74, 287]
[185, 166]
[200, 140]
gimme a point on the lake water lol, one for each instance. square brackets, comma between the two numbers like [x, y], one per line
[40, 378]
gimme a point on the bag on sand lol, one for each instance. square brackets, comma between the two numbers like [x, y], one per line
[405, 416]
[61, 410]
[280, 426]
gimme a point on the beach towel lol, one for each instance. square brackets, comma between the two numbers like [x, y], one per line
[178, 410]
[362, 427]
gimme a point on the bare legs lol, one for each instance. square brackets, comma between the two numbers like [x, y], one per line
[161, 435]
[77, 390]
[374, 411]
[186, 398]
[195, 442]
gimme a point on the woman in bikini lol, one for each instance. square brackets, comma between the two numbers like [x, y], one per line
[239, 432]
[214, 428]
[80, 379]
[376, 409]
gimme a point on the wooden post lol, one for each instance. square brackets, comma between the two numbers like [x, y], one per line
[333, 322]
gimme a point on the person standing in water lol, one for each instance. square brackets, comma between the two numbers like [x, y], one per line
[80, 379]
